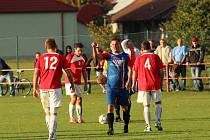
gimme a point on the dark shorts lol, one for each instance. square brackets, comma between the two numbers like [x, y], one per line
[117, 95]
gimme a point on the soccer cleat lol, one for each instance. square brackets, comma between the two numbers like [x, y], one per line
[72, 121]
[118, 119]
[80, 121]
[110, 132]
[147, 129]
[158, 126]
[52, 136]
[125, 128]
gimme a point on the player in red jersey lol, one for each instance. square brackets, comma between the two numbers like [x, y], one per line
[78, 68]
[148, 70]
[47, 83]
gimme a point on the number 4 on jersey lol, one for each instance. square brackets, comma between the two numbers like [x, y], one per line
[147, 64]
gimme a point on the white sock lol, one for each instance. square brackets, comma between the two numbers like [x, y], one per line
[147, 115]
[53, 124]
[158, 112]
[71, 110]
[79, 111]
[47, 121]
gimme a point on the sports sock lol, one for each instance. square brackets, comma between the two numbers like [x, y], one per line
[71, 110]
[53, 124]
[117, 110]
[47, 121]
[110, 120]
[147, 115]
[126, 117]
[79, 112]
[158, 112]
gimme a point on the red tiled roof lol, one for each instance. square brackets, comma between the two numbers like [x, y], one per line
[143, 10]
[87, 12]
[21, 6]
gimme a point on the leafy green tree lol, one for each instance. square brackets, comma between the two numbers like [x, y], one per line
[101, 34]
[191, 18]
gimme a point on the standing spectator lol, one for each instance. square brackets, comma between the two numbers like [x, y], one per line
[164, 52]
[68, 50]
[118, 82]
[152, 45]
[148, 70]
[179, 54]
[88, 70]
[4, 74]
[48, 73]
[99, 67]
[196, 56]
[78, 69]
[37, 55]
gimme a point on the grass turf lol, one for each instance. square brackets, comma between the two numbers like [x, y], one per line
[185, 116]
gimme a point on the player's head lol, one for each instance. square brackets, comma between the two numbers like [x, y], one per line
[37, 54]
[115, 45]
[50, 44]
[145, 46]
[179, 42]
[68, 49]
[78, 48]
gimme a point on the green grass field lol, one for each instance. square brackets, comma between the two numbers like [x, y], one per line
[185, 116]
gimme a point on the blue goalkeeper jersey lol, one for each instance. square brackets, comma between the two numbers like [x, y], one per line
[117, 72]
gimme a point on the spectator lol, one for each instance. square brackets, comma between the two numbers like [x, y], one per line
[164, 52]
[196, 57]
[47, 81]
[179, 54]
[152, 45]
[6, 74]
[148, 70]
[68, 50]
[37, 55]
[118, 82]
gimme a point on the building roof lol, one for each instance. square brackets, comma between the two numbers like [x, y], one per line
[120, 4]
[25, 6]
[143, 10]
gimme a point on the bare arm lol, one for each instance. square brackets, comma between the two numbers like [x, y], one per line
[70, 77]
[134, 78]
[35, 83]
[127, 86]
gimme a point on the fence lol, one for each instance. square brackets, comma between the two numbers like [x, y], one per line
[207, 76]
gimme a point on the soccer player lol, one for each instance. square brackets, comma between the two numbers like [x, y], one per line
[78, 68]
[118, 82]
[47, 74]
[148, 70]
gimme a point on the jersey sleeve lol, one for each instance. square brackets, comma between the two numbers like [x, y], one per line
[130, 62]
[37, 64]
[65, 63]
[159, 62]
[135, 66]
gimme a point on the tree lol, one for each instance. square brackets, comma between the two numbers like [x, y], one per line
[101, 34]
[191, 18]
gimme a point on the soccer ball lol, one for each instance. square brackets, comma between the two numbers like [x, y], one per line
[102, 119]
[101, 79]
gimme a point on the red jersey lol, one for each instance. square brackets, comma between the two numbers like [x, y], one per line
[147, 67]
[50, 66]
[77, 65]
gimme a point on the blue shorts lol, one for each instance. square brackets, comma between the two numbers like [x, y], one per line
[117, 95]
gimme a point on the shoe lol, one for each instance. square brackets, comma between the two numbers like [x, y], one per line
[72, 121]
[125, 130]
[147, 129]
[80, 121]
[158, 126]
[110, 132]
[52, 136]
[177, 90]
[118, 119]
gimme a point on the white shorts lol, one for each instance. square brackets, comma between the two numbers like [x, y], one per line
[51, 98]
[145, 96]
[78, 90]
